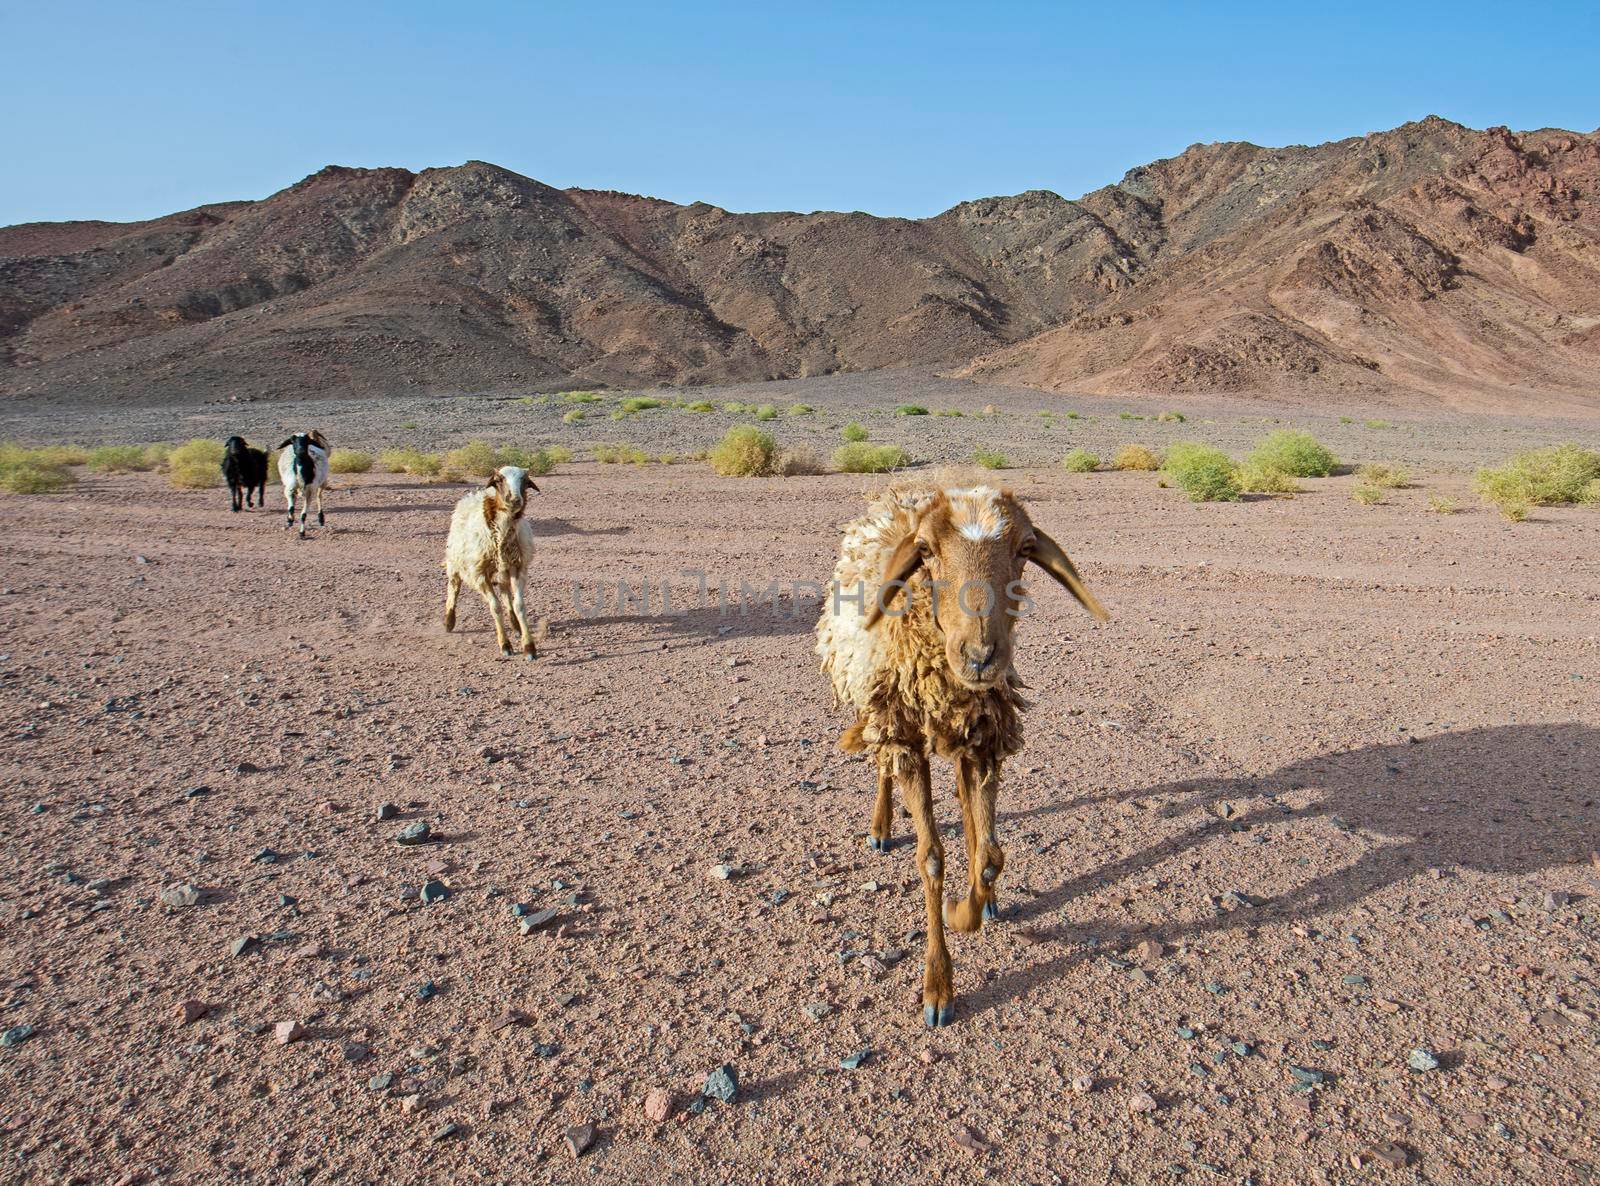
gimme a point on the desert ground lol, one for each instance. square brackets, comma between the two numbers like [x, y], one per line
[1299, 884]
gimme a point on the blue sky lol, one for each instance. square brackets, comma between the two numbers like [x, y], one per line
[130, 110]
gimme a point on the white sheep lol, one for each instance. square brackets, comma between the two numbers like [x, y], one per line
[489, 548]
[935, 675]
[303, 470]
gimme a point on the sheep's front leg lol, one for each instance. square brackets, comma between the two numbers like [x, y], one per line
[288, 498]
[452, 590]
[233, 491]
[938, 987]
[519, 618]
[978, 777]
[492, 600]
[883, 809]
[321, 521]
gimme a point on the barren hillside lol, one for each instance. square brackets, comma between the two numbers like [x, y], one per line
[1431, 262]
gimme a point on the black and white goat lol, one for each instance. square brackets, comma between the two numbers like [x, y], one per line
[246, 470]
[303, 469]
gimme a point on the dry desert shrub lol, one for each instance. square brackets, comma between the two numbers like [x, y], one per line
[1080, 461]
[119, 459]
[349, 461]
[1295, 453]
[858, 457]
[1384, 475]
[1203, 472]
[1260, 479]
[989, 459]
[1136, 457]
[195, 465]
[745, 452]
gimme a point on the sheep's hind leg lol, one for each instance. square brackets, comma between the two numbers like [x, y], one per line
[979, 780]
[519, 619]
[288, 498]
[883, 809]
[938, 988]
[452, 590]
[321, 521]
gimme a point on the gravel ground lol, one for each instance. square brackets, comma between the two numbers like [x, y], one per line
[1016, 424]
[1315, 810]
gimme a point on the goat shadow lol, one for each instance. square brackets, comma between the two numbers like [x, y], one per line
[1511, 800]
[780, 619]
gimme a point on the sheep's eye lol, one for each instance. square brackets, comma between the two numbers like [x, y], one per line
[924, 548]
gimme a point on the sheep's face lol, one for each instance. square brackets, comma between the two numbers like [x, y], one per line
[972, 545]
[511, 486]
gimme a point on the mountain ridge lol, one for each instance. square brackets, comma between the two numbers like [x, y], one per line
[1430, 261]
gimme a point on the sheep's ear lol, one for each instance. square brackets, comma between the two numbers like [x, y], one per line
[491, 507]
[529, 484]
[906, 559]
[1047, 554]
[287, 443]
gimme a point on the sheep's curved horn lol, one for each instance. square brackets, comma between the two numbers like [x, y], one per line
[907, 558]
[287, 443]
[1047, 554]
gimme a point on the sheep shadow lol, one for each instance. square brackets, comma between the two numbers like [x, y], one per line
[779, 619]
[1510, 800]
[551, 527]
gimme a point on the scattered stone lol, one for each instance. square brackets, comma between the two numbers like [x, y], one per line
[967, 1140]
[817, 1010]
[722, 1084]
[539, 920]
[288, 1031]
[434, 891]
[1150, 951]
[658, 1105]
[1555, 900]
[425, 991]
[1422, 1059]
[308, 951]
[16, 1035]
[450, 1129]
[415, 833]
[1083, 1084]
[266, 857]
[724, 872]
[388, 811]
[380, 1082]
[852, 1062]
[196, 792]
[1305, 1078]
[241, 945]
[1142, 1101]
[179, 895]
[355, 1052]
[412, 1103]
[579, 1137]
[1396, 1157]
[193, 1011]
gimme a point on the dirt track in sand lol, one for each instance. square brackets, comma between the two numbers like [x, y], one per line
[1378, 725]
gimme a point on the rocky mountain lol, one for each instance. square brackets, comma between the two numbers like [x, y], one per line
[1432, 261]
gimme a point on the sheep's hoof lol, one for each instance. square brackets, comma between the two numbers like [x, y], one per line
[321, 522]
[934, 1016]
[529, 656]
[876, 845]
[991, 910]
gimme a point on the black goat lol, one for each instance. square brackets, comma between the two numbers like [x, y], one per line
[246, 471]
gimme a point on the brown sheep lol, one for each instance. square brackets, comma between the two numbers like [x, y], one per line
[935, 675]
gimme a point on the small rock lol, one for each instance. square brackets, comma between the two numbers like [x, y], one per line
[1306, 1077]
[1422, 1059]
[534, 922]
[388, 811]
[449, 1130]
[1142, 1101]
[380, 1082]
[355, 1052]
[722, 1084]
[579, 1138]
[1392, 1155]
[817, 1010]
[434, 891]
[1555, 900]
[967, 1140]
[266, 857]
[658, 1105]
[288, 1031]
[852, 1062]
[425, 991]
[1149, 951]
[412, 1103]
[16, 1035]
[193, 1011]
[415, 833]
[723, 872]
[241, 945]
[1083, 1084]
[179, 895]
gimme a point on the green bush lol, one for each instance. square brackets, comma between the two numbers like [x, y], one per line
[1553, 476]
[348, 461]
[118, 459]
[989, 458]
[537, 462]
[1295, 453]
[157, 455]
[1172, 417]
[1254, 478]
[635, 404]
[801, 409]
[766, 412]
[953, 412]
[621, 455]
[1367, 495]
[580, 397]
[853, 432]
[475, 459]
[1203, 472]
[33, 471]
[1441, 504]
[911, 410]
[411, 461]
[572, 416]
[700, 405]
[1136, 457]
[196, 452]
[196, 465]
[745, 452]
[858, 457]
[1590, 494]
[1080, 461]
[736, 407]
